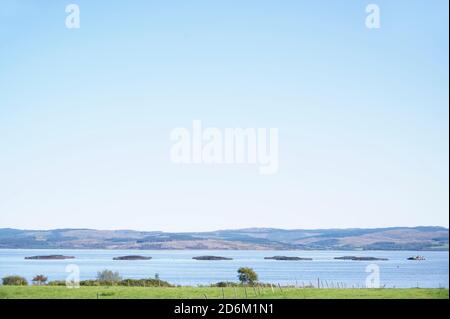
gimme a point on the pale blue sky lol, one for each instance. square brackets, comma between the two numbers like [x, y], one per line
[85, 114]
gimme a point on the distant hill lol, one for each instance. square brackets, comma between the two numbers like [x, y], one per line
[395, 238]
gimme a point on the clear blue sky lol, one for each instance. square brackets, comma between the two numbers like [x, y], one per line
[85, 114]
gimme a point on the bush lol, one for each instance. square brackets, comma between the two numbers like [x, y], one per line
[144, 283]
[108, 277]
[14, 281]
[126, 282]
[225, 284]
[236, 284]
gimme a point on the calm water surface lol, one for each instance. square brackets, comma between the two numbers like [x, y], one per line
[178, 267]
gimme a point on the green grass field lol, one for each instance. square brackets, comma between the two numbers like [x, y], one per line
[47, 292]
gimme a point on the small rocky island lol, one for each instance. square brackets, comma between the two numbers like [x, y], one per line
[416, 258]
[287, 258]
[132, 257]
[50, 257]
[211, 258]
[359, 258]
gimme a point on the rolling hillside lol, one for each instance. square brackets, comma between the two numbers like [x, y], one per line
[396, 238]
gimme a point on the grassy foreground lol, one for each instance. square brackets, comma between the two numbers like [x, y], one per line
[49, 292]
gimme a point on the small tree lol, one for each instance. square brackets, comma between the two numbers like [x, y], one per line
[14, 281]
[39, 280]
[247, 275]
[108, 277]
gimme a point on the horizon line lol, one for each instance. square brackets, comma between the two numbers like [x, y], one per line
[229, 229]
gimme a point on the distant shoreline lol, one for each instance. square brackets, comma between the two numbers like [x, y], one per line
[421, 238]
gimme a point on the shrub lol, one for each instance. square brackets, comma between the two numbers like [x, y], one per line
[108, 277]
[236, 284]
[14, 281]
[225, 284]
[144, 283]
[126, 282]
